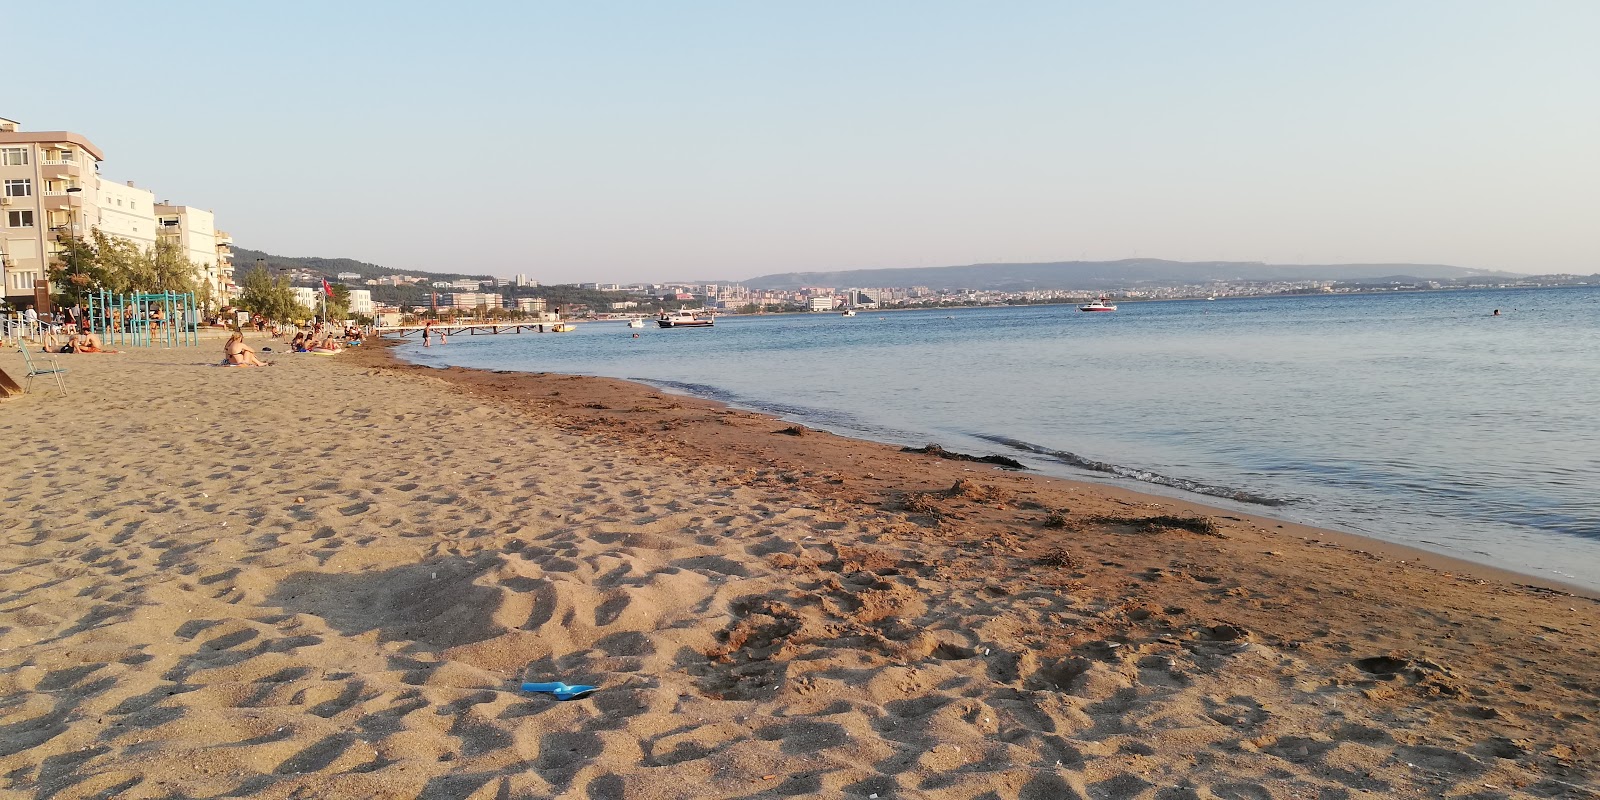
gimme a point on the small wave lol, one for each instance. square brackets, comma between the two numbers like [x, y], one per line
[693, 389]
[1073, 459]
[817, 417]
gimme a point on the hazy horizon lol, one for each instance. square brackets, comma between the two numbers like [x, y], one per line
[620, 142]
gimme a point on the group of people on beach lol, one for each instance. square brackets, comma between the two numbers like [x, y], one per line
[320, 339]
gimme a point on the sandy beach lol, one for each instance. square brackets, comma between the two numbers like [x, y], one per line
[327, 579]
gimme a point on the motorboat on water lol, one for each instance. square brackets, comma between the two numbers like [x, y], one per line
[684, 320]
[636, 322]
[1098, 305]
[563, 327]
[848, 313]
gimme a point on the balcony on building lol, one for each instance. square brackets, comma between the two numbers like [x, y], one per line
[59, 199]
[61, 164]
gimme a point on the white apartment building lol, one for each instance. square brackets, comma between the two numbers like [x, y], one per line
[530, 304]
[195, 232]
[128, 212]
[822, 304]
[361, 302]
[308, 297]
[349, 276]
[470, 300]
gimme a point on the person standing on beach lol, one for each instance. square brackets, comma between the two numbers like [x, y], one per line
[427, 327]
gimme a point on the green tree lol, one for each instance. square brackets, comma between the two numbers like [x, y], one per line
[167, 269]
[339, 303]
[271, 298]
[120, 261]
[76, 271]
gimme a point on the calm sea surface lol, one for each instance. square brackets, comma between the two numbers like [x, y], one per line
[1417, 418]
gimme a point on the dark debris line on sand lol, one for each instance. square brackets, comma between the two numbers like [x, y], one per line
[936, 450]
[1200, 525]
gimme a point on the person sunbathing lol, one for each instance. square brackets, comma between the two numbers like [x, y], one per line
[299, 344]
[327, 345]
[238, 354]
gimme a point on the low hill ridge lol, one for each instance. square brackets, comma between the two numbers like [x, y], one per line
[1106, 275]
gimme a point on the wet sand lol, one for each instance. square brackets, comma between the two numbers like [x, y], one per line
[327, 578]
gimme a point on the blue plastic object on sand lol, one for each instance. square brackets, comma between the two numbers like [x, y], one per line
[560, 690]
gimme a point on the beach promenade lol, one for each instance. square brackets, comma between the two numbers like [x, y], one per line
[327, 579]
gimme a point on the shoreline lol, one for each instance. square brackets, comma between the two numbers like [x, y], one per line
[246, 597]
[1394, 551]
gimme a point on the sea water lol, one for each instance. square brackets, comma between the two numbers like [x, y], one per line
[1419, 418]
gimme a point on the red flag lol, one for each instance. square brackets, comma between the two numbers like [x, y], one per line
[326, 289]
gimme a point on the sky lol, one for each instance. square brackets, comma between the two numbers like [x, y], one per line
[632, 141]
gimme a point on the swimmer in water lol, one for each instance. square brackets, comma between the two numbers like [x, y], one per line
[1496, 313]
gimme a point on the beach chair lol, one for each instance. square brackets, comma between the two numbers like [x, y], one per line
[34, 370]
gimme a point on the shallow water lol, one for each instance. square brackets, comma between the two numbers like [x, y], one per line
[1417, 418]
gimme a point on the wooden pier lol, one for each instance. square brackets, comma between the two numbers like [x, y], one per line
[468, 328]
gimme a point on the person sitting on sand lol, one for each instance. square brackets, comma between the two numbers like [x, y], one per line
[327, 345]
[84, 342]
[298, 344]
[236, 353]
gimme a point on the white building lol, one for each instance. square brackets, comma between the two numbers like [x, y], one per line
[194, 231]
[822, 304]
[52, 189]
[349, 276]
[361, 302]
[470, 300]
[128, 212]
[530, 304]
[308, 297]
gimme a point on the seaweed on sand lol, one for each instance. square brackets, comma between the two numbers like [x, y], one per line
[936, 450]
[1200, 525]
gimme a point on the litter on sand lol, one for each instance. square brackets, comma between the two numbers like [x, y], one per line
[559, 690]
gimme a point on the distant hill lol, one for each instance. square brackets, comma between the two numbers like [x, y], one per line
[245, 259]
[1109, 275]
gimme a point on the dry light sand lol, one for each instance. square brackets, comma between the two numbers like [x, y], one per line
[326, 579]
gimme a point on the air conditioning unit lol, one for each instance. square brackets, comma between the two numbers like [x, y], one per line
[5, 201]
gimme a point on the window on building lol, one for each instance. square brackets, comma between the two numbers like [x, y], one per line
[19, 187]
[23, 281]
[13, 156]
[19, 219]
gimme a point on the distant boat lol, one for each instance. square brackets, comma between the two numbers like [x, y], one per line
[636, 322]
[848, 313]
[563, 327]
[684, 320]
[1098, 305]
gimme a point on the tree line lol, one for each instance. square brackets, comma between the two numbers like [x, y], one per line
[113, 264]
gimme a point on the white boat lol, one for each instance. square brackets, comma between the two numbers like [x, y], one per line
[636, 322]
[684, 320]
[1098, 305]
[849, 313]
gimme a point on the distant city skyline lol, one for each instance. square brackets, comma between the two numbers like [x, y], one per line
[627, 142]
